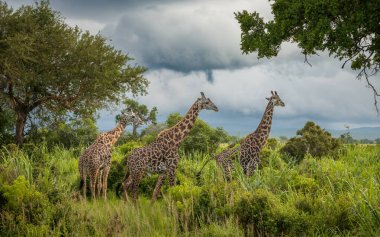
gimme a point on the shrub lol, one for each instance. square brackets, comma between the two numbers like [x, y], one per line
[261, 213]
[254, 211]
[202, 138]
[25, 203]
[127, 147]
[313, 140]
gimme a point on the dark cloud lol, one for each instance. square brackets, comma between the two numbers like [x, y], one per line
[181, 39]
[180, 35]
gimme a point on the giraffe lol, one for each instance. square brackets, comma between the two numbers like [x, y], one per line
[96, 159]
[161, 156]
[252, 144]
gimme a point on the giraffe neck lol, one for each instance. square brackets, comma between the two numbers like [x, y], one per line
[179, 131]
[265, 124]
[115, 133]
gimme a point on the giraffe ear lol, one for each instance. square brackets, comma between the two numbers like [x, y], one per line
[267, 98]
[272, 92]
[275, 92]
[203, 95]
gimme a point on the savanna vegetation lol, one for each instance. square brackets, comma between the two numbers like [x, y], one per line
[309, 185]
[324, 195]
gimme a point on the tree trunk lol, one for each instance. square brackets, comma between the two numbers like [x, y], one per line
[134, 131]
[20, 125]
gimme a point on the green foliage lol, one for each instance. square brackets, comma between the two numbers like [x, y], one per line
[228, 229]
[321, 25]
[68, 134]
[202, 138]
[143, 112]
[312, 140]
[127, 147]
[50, 69]
[317, 197]
[27, 204]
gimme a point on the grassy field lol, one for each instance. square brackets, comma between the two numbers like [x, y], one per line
[39, 196]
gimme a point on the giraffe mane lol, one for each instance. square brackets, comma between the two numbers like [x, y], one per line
[160, 133]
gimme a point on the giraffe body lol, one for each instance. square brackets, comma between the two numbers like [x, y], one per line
[96, 159]
[161, 156]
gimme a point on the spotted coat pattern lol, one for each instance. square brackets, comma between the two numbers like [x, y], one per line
[96, 159]
[161, 156]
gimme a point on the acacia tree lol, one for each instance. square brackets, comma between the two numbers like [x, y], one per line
[142, 111]
[46, 64]
[348, 30]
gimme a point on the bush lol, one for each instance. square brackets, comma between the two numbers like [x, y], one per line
[313, 140]
[262, 213]
[127, 147]
[202, 138]
[25, 203]
[253, 211]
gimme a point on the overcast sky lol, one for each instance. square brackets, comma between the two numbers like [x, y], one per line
[193, 46]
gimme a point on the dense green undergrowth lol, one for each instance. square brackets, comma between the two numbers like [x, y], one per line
[325, 196]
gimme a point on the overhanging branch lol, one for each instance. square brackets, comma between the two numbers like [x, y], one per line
[363, 73]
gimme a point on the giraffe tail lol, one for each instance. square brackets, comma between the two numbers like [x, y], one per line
[198, 175]
[229, 150]
[118, 186]
[81, 183]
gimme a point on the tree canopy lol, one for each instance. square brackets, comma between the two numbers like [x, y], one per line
[49, 66]
[142, 111]
[348, 30]
[313, 140]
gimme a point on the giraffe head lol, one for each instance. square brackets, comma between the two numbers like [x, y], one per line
[275, 99]
[130, 117]
[206, 103]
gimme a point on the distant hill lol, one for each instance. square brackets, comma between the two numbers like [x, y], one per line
[360, 133]
[370, 133]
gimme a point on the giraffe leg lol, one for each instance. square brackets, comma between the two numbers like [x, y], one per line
[172, 169]
[93, 178]
[228, 170]
[99, 183]
[135, 184]
[84, 189]
[105, 178]
[254, 163]
[157, 189]
[127, 185]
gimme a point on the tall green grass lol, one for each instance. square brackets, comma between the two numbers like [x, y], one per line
[317, 197]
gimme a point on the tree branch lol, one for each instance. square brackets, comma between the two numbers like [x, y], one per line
[364, 73]
[306, 61]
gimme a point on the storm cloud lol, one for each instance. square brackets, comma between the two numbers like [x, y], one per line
[193, 46]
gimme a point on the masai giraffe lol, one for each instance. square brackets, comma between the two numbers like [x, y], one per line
[161, 156]
[96, 159]
[252, 144]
